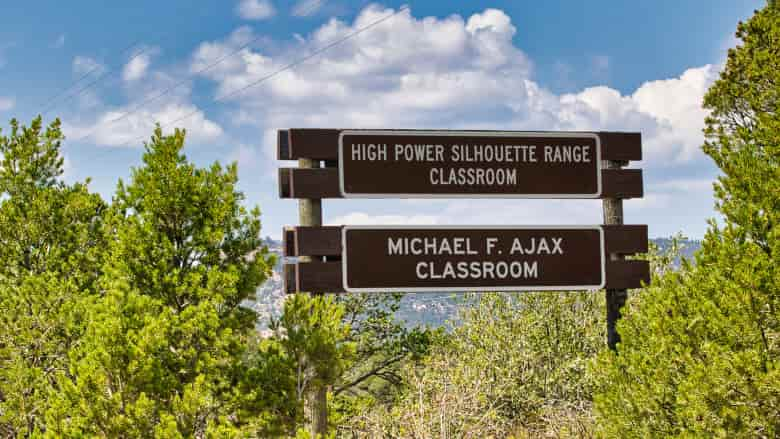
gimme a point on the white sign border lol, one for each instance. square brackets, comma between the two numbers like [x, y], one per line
[345, 229]
[561, 134]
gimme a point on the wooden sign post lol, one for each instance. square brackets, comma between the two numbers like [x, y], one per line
[461, 164]
[615, 297]
[316, 399]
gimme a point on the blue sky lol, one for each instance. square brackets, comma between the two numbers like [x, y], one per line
[572, 65]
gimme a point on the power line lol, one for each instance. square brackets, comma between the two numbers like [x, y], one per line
[285, 68]
[105, 74]
[306, 11]
[82, 77]
[111, 71]
[148, 100]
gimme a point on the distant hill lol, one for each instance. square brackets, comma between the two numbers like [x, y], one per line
[432, 309]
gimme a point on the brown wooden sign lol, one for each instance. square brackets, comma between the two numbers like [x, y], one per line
[424, 164]
[423, 259]
[472, 259]
[337, 163]
[323, 143]
[458, 164]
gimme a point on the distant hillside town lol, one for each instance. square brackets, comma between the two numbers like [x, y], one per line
[433, 310]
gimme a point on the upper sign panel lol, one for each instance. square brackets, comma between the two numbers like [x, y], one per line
[451, 164]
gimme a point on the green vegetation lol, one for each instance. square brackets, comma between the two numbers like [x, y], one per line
[163, 350]
[517, 364]
[51, 250]
[126, 318]
[701, 350]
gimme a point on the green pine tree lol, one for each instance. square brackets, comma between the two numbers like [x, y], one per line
[170, 351]
[383, 347]
[700, 355]
[51, 248]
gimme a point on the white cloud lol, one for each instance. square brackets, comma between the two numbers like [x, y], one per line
[216, 58]
[700, 185]
[305, 8]
[676, 106]
[135, 128]
[255, 9]
[529, 212]
[136, 68]
[667, 112]
[138, 65]
[478, 212]
[84, 64]
[450, 72]
[365, 219]
[434, 72]
[682, 204]
[7, 103]
[130, 124]
[378, 76]
[245, 155]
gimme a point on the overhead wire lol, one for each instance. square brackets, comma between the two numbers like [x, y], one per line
[136, 108]
[282, 69]
[109, 70]
[94, 68]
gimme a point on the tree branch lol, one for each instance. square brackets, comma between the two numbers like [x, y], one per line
[370, 373]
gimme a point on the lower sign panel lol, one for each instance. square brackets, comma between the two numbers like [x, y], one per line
[428, 259]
